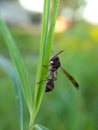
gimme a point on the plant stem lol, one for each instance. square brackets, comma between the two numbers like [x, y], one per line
[45, 49]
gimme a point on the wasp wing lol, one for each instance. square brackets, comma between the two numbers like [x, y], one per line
[74, 82]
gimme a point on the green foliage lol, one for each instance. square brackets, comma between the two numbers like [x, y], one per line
[12, 73]
[18, 62]
[40, 127]
[65, 107]
[45, 48]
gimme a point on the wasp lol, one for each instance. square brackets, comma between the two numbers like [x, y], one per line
[55, 64]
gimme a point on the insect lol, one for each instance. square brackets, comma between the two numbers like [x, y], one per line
[54, 66]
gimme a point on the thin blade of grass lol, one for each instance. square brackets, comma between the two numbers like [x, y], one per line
[12, 73]
[18, 62]
[41, 72]
[52, 27]
[40, 127]
[45, 49]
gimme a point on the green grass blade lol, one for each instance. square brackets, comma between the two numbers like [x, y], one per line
[40, 127]
[12, 73]
[52, 27]
[39, 89]
[18, 62]
[45, 49]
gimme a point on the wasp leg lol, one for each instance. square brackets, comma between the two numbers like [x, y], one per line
[45, 79]
[41, 81]
[45, 66]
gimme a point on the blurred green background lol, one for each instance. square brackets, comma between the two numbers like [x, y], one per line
[65, 108]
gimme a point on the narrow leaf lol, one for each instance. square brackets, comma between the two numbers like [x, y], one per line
[41, 72]
[12, 73]
[45, 49]
[40, 127]
[18, 62]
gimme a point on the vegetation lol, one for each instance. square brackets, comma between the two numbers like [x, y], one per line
[20, 77]
[65, 107]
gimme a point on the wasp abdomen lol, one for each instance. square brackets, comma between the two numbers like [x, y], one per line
[49, 85]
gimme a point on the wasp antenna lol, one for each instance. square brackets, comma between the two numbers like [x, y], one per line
[58, 53]
[74, 82]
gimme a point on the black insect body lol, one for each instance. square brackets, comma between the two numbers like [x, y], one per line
[54, 66]
[49, 85]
